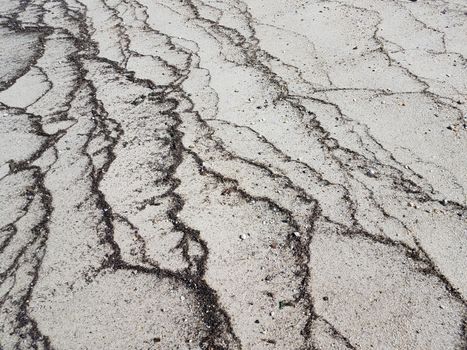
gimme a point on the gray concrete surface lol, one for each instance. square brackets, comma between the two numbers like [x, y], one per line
[213, 174]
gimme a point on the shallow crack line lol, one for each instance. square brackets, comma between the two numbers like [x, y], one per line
[40, 231]
[336, 334]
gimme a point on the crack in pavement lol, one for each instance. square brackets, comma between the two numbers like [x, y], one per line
[209, 174]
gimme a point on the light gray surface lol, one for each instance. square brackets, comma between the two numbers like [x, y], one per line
[272, 174]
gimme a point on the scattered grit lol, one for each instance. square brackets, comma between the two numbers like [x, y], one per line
[226, 174]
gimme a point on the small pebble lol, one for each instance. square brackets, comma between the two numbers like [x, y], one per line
[371, 173]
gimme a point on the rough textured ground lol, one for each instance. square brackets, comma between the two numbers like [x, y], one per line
[226, 174]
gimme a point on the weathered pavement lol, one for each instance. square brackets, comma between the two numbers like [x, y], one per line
[187, 174]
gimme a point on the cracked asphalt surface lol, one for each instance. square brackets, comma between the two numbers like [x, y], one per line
[242, 174]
